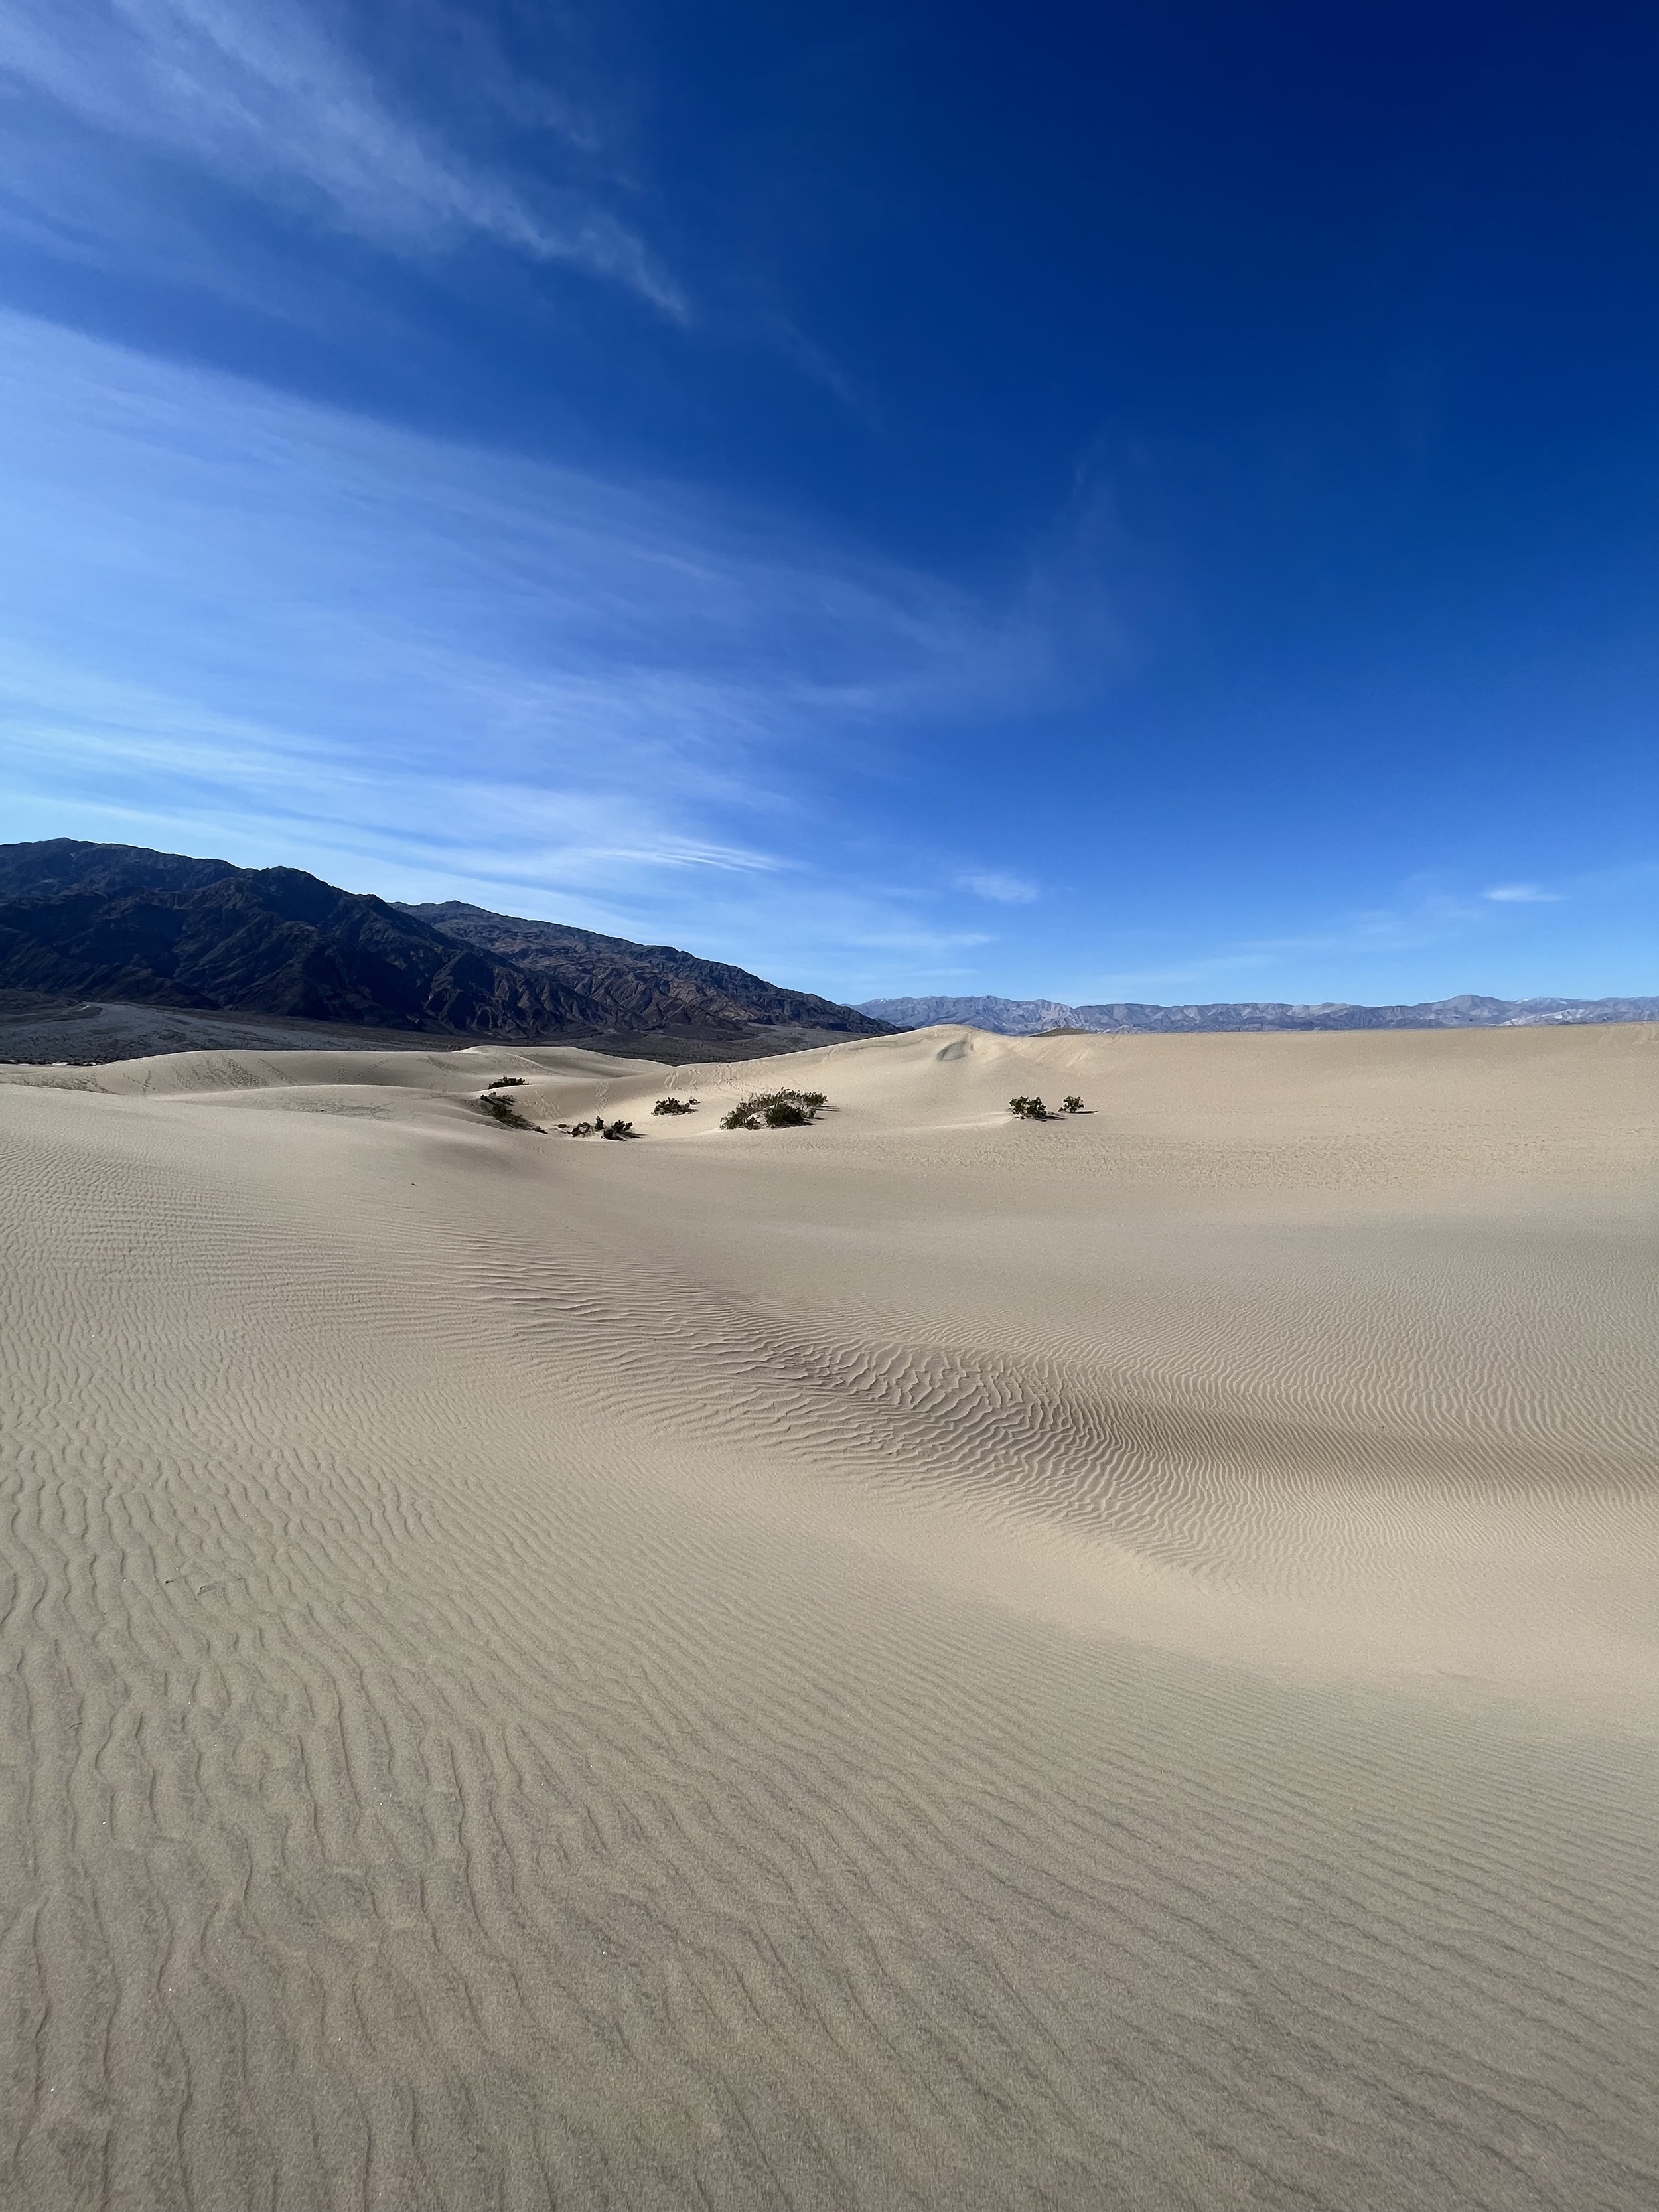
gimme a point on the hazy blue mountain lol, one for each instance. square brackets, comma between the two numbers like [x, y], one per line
[1030, 1017]
[1008, 1016]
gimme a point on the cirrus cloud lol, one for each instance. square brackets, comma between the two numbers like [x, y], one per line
[995, 884]
[272, 102]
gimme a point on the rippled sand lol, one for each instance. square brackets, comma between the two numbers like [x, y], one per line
[925, 1660]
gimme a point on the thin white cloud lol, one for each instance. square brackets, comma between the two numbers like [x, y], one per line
[1421, 919]
[993, 884]
[238, 622]
[269, 100]
[1521, 895]
[911, 942]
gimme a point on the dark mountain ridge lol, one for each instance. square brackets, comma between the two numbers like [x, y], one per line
[122, 922]
[645, 986]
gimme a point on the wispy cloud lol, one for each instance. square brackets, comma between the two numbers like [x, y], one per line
[242, 622]
[993, 884]
[271, 101]
[1422, 918]
[1523, 894]
[926, 942]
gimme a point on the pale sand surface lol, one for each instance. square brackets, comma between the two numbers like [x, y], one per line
[925, 1660]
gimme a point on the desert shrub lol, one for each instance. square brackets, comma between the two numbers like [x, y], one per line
[616, 1128]
[509, 1117]
[1071, 1105]
[776, 1109]
[506, 1082]
[675, 1106]
[1030, 1109]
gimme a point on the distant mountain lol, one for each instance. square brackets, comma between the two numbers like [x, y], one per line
[643, 987]
[1031, 1017]
[1008, 1016]
[56, 865]
[121, 922]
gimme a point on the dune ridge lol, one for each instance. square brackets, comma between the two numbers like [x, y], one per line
[916, 1661]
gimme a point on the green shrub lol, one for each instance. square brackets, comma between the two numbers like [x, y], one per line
[675, 1106]
[506, 1082]
[1030, 1109]
[774, 1109]
[1071, 1105]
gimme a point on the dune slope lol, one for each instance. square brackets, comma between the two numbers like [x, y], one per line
[922, 1660]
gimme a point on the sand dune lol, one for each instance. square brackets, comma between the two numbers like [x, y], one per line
[924, 1661]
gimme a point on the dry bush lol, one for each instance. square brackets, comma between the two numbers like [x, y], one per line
[774, 1109]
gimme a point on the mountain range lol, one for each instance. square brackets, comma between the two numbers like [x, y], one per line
[1031, 1017]
[204, 938]
[121, 922]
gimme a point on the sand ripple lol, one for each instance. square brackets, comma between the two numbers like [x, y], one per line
[471, 1741]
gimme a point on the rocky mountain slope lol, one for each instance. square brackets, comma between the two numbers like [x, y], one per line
[647, 986]
[1031, 1017]
[81, 920]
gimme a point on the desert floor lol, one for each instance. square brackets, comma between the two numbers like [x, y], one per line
[924, 1661]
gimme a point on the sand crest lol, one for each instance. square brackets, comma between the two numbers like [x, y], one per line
[923, 1661]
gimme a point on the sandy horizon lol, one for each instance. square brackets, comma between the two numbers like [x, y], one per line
[925, 1660]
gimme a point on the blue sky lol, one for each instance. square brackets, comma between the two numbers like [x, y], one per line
[1092, 502]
